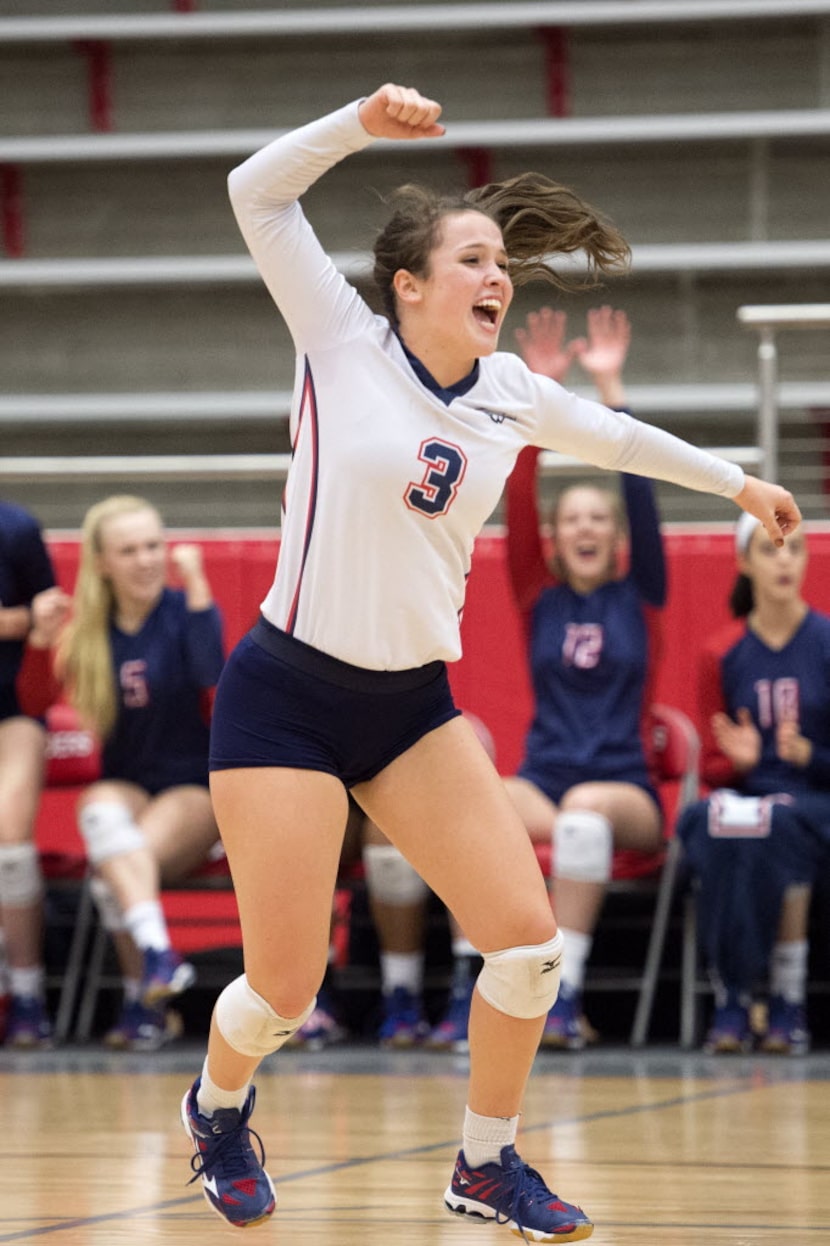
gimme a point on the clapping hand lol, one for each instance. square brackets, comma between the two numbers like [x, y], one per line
[739, 740]
[792, 746]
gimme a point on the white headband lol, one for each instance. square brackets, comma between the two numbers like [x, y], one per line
[744, 529]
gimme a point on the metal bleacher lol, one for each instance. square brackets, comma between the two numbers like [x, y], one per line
[133, 317]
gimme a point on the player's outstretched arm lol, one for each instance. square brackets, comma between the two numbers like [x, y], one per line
[396, 112]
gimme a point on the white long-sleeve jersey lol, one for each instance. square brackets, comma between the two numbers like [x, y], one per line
[389, 485]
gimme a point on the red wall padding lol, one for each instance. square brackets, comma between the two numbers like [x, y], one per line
[491, 679]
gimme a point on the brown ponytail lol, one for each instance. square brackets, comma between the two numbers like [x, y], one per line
[537, 217]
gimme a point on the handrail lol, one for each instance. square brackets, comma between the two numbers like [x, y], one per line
[766, 320]
[784, 315]
[367, 19]
[141, 407]
[209, 406]
[165, 270]
[89, 467]
[152, 270]
[530, 132]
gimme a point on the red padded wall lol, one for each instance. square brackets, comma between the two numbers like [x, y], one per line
[491, 679]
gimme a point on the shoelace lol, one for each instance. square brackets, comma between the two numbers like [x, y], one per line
[525, 1179]
[228, 1149]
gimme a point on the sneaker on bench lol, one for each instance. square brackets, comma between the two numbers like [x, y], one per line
[403, 1023]
[164, 975]
[140, 1028]
[787, 1033]
[28, 1024]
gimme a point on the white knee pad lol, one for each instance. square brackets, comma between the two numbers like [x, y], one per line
[389, 876]
[583, 846]
[109, 910]
[249, 1024]
[108, 830]
[523, 981]
[20, 878]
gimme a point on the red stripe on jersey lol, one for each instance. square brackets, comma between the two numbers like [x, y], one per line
[308, 406]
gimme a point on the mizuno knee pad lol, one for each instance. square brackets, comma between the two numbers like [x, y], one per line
[248, 1023]
[523, 981]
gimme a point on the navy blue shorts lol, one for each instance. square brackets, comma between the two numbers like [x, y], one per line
[280, 702]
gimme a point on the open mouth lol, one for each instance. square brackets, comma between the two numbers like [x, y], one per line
[487, 312]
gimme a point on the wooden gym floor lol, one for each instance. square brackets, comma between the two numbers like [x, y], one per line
[659, 1147]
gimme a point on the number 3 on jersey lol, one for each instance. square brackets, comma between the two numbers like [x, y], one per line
[445, 468]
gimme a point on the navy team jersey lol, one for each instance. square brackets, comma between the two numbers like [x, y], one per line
[738, 670]
[25, 570]
[592, 655]
[162, 675]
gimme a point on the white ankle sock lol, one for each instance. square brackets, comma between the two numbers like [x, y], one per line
[210, 1097]
[484, 1137]
[27, 983]
[402, 969]
[145, 922]
[575, 953]
[788, 970]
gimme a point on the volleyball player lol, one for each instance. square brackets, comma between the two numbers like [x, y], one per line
[758, 840]
[25, 572]
[139, 660]
[593, 635]
[404, 427]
